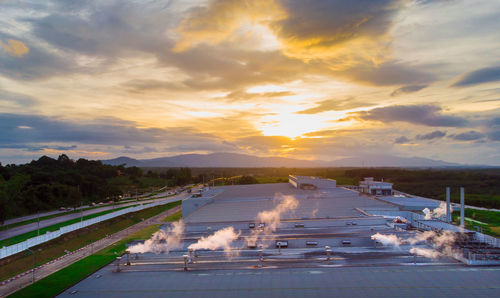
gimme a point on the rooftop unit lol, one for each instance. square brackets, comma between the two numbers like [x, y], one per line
[376, 188]
[311, 182]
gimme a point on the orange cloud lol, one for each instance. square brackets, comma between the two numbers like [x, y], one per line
[223, 21]
[15, 48]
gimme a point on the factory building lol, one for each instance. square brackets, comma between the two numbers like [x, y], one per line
[311, 182]
[376, 188]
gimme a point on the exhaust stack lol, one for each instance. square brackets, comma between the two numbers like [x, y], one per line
[185, 262]
[261, 258]
[448, 205]
[328, 251]
[128, 258]
[462, 207]
[118, 259]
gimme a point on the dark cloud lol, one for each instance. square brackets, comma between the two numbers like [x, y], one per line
[407, 89]
[429, 115]
[326, 23]
[432, 135]
[38, 63]
[467, 136]
[334, 105]
[401, 140]
[18, 130]
[17, 98]
[105, 29]
[36, 148]
[219, 67]
[484, 75]
[493, 130]
[387, 74]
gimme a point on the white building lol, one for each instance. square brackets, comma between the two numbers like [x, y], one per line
[311, 182]
[376, 188]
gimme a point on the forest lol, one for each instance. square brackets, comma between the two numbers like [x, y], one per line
[47, 184]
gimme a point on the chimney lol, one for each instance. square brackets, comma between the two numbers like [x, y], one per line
[328, 251]
[462, 207]
[185, 262]
[261, 258]
[448, 206]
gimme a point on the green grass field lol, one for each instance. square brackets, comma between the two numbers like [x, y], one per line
[56, 247]
[174, 217]
[490, 218]
[56, 283]
[272, 179]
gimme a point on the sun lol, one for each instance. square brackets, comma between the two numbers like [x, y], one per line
[290, 125]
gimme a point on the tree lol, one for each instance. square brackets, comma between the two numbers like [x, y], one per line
[247, 180]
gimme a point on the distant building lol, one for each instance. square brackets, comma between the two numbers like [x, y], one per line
[311, 182]
[376, 188]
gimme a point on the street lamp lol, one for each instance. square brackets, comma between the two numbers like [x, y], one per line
[33, 252]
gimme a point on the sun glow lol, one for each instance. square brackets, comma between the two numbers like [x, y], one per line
[290, 125]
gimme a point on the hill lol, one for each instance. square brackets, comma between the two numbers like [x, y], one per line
[236, 160]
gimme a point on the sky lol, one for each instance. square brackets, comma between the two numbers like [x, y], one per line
[323, 79]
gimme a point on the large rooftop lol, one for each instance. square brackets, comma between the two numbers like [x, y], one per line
[399, 281]
[244, 202]
[335, 244]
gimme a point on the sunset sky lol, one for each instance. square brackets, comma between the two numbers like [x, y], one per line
[303, 79]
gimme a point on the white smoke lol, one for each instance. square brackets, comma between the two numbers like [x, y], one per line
[220, 239]
[436, 213]
[162, 241]
[314, 212]
[427, 212]
[272, 218]
[425, 252]
[387, 239]
[443, 241]
[440, 211]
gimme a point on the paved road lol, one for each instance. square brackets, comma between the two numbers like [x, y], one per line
[28, 217]
[33, 216]
[45, 223]
[82, 253]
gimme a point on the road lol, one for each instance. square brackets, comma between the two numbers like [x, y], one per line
[48, 222]
[69, 259]
[48, 213]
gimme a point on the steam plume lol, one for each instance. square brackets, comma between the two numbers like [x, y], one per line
[272, 218]
[220, 239]
[387, 239]
[436, 213]
[443, 241]
[425, 252]
[162, 241]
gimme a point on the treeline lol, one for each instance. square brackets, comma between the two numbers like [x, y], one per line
[48, 183]
[482, 186]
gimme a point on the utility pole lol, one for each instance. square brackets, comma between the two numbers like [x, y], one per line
[34, 264]
[38, 220]
[136, 197]
[81, 211]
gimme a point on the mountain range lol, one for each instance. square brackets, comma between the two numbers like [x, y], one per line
[235, 160]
